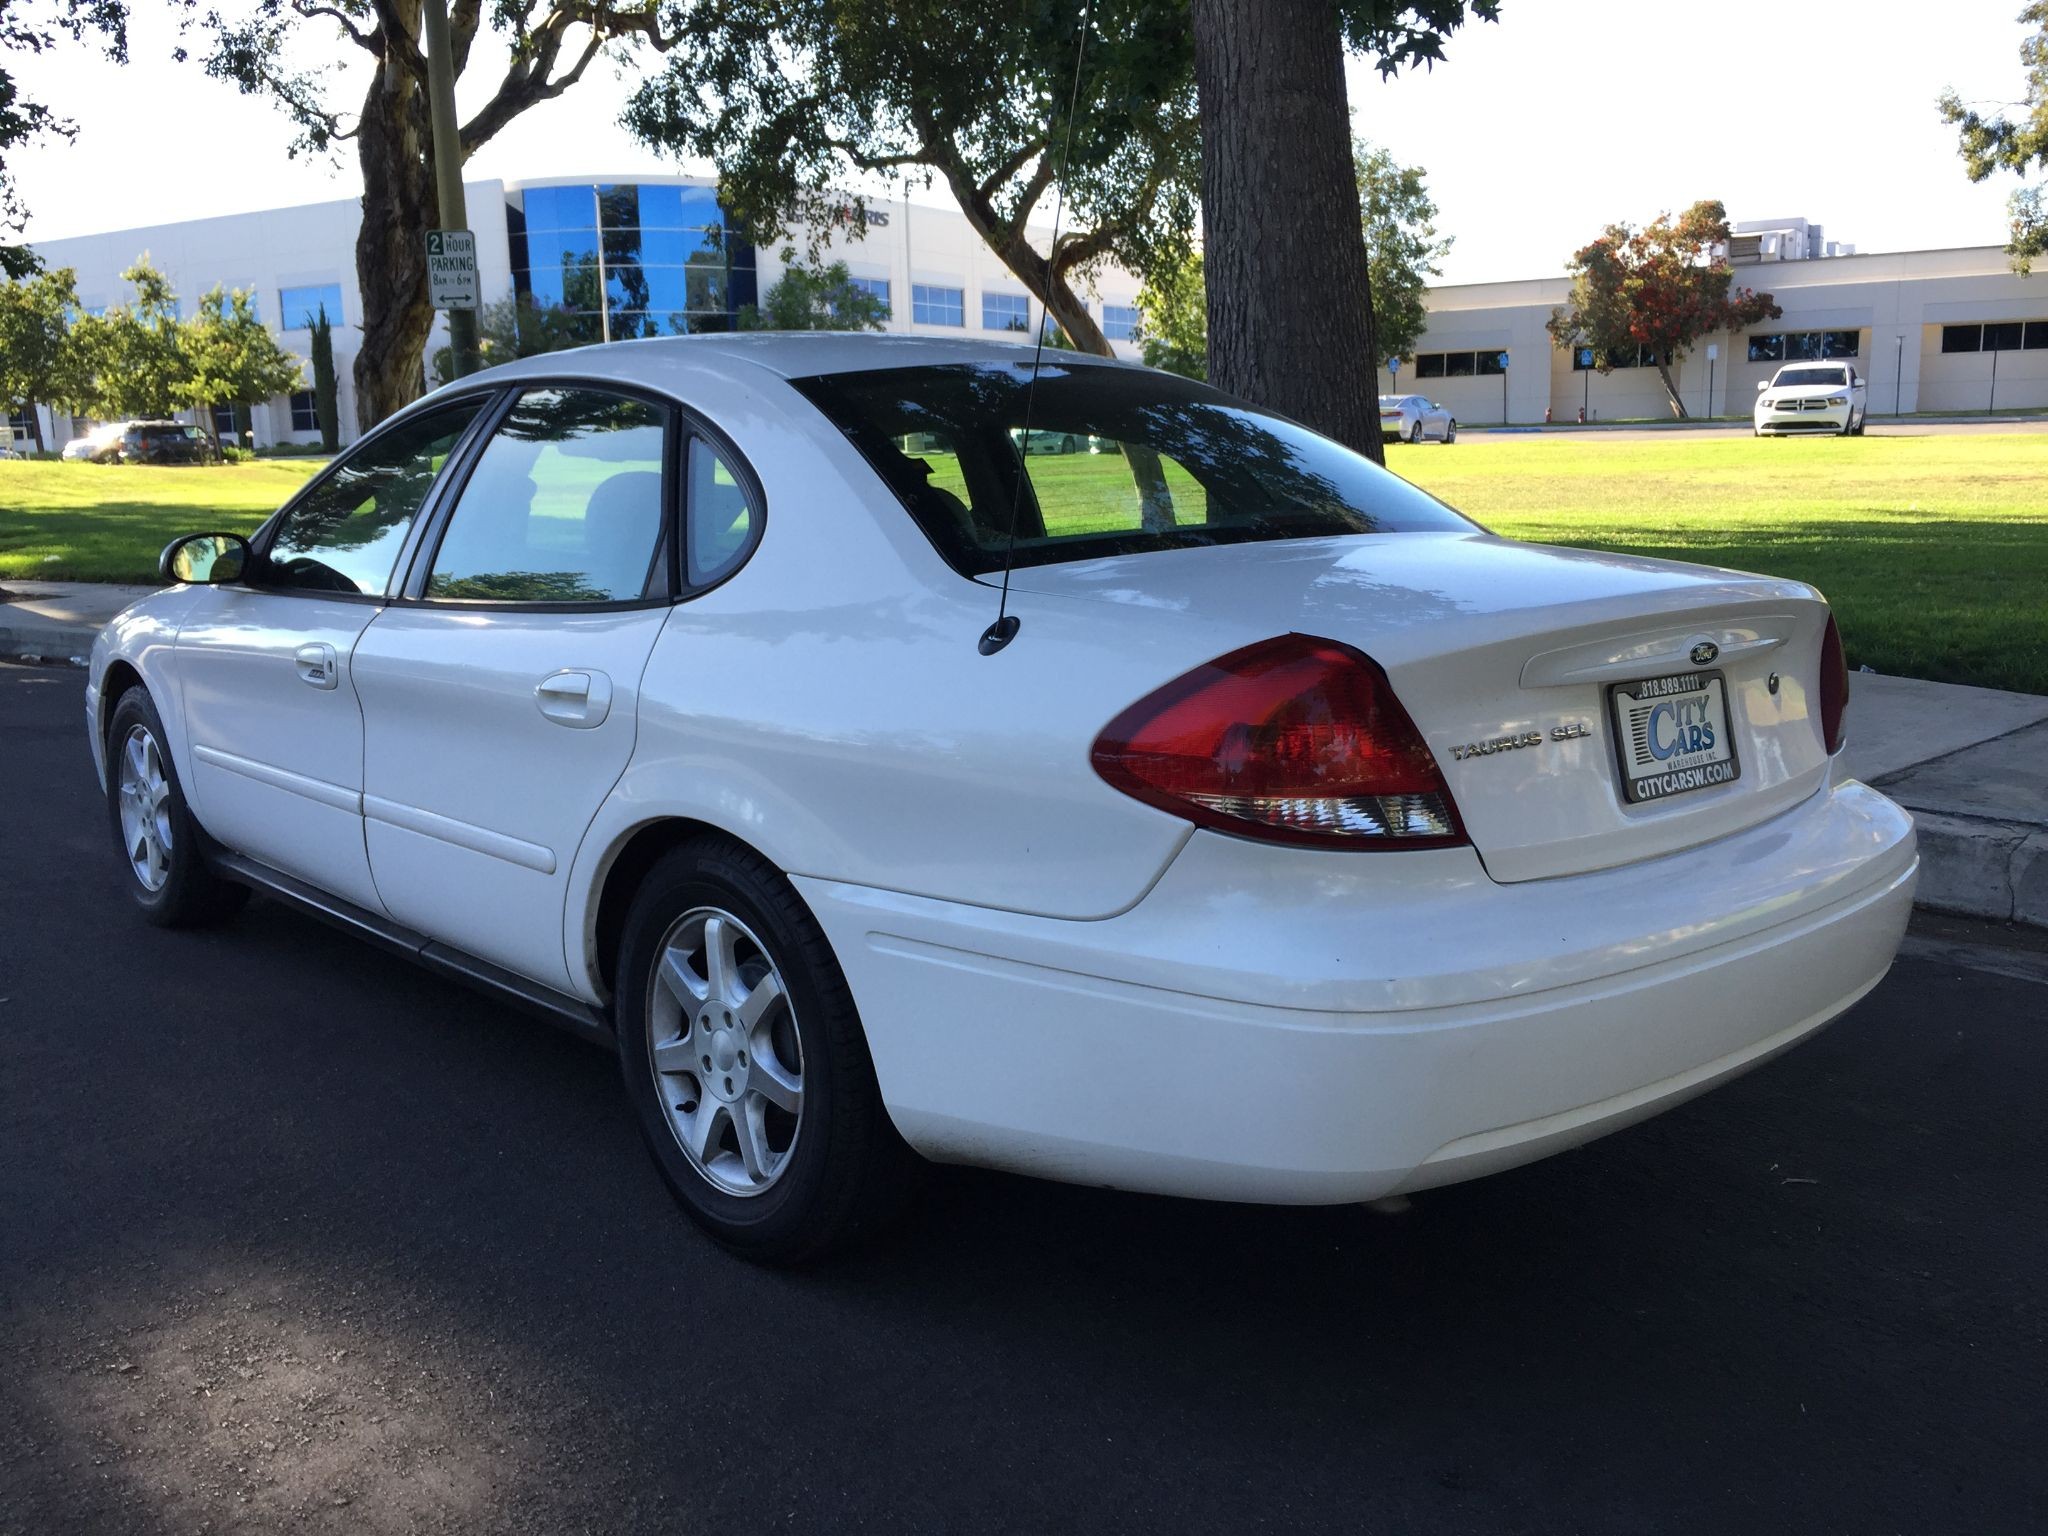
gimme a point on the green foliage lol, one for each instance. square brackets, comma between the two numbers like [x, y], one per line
[792, 98]
[517, 327]
[34, 27]
[2015, 141]
[1661, 287]
[135, 353]
[38, 363]
[1402, 247]
[233, 359]
[1402, 251]
[1173, 319]
[326, 387]
[814, 297]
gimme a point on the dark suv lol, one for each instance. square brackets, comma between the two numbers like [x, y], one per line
[163, 442]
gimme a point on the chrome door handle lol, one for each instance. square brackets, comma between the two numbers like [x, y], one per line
[579, 700]
[316, 665]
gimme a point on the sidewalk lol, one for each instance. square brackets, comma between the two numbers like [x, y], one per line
[56, 620]
[1971, 764]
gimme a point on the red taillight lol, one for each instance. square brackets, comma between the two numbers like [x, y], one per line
[1834, 687]
[1294, 739]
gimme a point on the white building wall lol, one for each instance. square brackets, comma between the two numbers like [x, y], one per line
[1896, 301]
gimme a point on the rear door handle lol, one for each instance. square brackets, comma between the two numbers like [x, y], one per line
[579, 700]
[316, 665]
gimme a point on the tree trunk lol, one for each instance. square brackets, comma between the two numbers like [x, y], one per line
[1670, 387]
[1290, 303]
[35, 426]
[391, 259]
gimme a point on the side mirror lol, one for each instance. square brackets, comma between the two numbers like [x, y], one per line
[1762, 385]
[204, 557]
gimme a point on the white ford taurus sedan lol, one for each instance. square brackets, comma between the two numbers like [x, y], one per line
[1305, 842]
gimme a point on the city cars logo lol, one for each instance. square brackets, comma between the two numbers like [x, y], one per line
[1704, 652]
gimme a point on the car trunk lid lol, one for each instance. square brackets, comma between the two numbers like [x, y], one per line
[1509, 656]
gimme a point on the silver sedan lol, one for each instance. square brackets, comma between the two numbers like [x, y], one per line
[1411, 418]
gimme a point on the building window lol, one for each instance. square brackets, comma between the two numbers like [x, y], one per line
[931, 305]
[305, 415]
[224, 422]
[1767, 349]
[1585, 359]
[2002, 336]
[299, 307]
[1493, 364]
[878, 287]
[1962, 338]
[1429, 365]
[2037, 336]
[18, 425]
[1005, 312]
[1120, 321]
[1459, 365]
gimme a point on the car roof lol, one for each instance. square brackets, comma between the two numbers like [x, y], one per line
[789, 354]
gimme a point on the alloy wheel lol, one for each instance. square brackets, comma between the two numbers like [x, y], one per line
[145, 792]
[727, 1061]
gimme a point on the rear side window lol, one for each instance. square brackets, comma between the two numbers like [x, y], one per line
[564, 505]
[1117, 461]
[345, 533]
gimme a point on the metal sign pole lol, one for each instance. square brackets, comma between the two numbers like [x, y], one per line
[462, 337]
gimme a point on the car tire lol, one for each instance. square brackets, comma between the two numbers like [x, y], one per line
[713, 1089]
[1450, 432]
[153, 829]
[1415, 432]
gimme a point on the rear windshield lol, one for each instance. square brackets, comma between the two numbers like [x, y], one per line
[1119, 461]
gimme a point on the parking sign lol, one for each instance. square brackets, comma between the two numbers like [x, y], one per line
[452, 281]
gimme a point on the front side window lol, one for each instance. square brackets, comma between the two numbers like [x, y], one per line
[344, 534]
[564, 505]
[1117, 461]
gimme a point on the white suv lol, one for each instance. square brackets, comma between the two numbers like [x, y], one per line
[1813, 397]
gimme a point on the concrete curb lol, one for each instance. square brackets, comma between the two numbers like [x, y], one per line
[1971, 867]
[46, 642]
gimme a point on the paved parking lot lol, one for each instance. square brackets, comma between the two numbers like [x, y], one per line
[292, 1235]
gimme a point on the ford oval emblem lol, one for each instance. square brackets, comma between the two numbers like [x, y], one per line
[1704, 652]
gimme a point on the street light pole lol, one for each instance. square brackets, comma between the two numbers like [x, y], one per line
[462, 342]
[604, 287]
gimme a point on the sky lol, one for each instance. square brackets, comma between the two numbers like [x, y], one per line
[1534, 133]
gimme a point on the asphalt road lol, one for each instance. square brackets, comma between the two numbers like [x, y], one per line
[292, 1235]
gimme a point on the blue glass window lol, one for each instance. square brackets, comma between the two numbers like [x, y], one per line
[298, 307]
[680, 208]
[1005, 312]
[1119, 321]
[878, 286]
[551, 208]
[930, 305]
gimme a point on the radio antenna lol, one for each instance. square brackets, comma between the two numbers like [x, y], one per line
[1004, 630]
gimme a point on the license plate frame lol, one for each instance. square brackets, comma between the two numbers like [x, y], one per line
[1708, 774]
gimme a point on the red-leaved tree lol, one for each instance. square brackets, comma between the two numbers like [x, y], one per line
[1659, 288]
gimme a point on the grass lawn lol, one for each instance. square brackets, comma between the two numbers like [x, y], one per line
[1933, 550]
[108, 522]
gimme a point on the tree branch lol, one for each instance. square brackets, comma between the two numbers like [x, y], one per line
[368, 41]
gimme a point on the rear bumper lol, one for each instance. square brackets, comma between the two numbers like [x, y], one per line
[1259, 1028]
